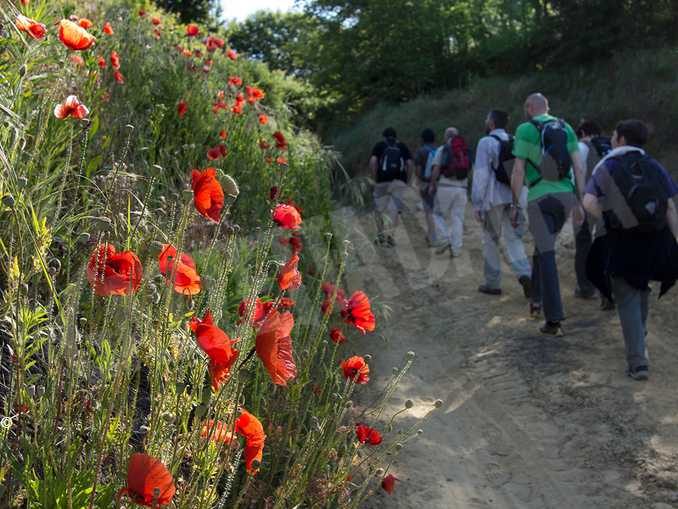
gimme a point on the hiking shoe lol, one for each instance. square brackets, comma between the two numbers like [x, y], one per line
[489, 291]
[443, 248]
[606, 304]
[552, 329]
[455, 254]
[584, 295]
[390, 241]
[639, 373]
[380, 240]
[526, 283]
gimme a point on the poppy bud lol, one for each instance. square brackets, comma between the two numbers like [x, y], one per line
[398, 447]
[6, 423]
[22, 71]
[420, 431]
[83, 238]
[395, 370]
[367, 357]
[349, 404]
[231, 187]
[411, 355]
[31, 391]
[83, 321]
[8, 201]
[379, 472]
[409, 403]
[438, 403]
[22, 181]
[255, 464]
[54, 266]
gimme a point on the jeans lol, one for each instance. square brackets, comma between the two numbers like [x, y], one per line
[548, 215]
[450, 206]
[497, 223]
[583, 240]
[632, 307]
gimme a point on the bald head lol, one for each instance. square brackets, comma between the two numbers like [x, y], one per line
[536, 104]
[450, 133]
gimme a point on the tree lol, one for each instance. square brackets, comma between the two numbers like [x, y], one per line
[191, 10]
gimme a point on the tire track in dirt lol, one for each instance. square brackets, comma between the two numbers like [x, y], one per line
[527, 422]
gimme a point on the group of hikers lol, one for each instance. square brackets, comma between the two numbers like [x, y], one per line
[620, 199]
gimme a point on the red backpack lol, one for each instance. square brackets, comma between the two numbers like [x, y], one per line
[456, 161]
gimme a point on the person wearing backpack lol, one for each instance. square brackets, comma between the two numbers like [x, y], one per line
[449, 185]
[491, 199]
[547, 155]
[592, 147]
[634, 195]
[391, 168]
[423, 166]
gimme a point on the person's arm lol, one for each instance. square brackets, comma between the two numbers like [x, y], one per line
[481, 176]
[410, 170]
[592, 205]
[435, 174]
[517, 180]
[672, 217]
[579, 174]
[374, 162]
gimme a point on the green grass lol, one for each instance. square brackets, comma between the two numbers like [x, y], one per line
[632, 85]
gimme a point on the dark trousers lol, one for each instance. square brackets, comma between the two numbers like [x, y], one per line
[548, 215]
[583, 239]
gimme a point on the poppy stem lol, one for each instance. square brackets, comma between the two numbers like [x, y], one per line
[249, 356]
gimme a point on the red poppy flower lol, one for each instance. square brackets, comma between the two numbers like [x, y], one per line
[156, 20]
[337, 336]
[85, 23]
[77, 60]
[217, 346]
[367, 435]
[217, 152]
[182, 108]
[197, 53]
[207, 193]
[156, 33]
[108, 29]
[274, 347]
[207, 66]
[31, 27]
[219, 105]
[254, 94]
[280, 140]
[259, 313]
[252, 430]
[281, 161]
[101, 62]
[187, 53]
[358, 312]
[263, 119]
[213, 43]
[115, 60]
[74, 37]
[71, 107]
[117, 76]
[149, 483]
[223, 134]
[192, 30]
[142, 13]
[290, 277]
[355, 368]
[287, 216]
[232, 54]
[330, 301]
[235, 81]
[264, 145]
[25, 2]
[113, 273]
[217, 431]
[286, 303]
[388, 483]
[186, 278]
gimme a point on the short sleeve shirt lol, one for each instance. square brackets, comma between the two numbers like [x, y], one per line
[527, 146]
[380, 147]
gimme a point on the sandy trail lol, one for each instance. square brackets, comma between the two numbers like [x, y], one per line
[527, 421]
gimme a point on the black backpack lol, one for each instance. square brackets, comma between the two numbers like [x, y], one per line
[392, 163]
[501, 173]
[602, 145]
[639, 201]
[556, 160]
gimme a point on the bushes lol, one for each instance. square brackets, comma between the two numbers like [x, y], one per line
[630, 85]
[89, 377]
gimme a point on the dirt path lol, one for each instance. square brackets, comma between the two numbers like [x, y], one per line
[527, 421]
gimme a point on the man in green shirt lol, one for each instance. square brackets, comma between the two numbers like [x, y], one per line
[547, 169]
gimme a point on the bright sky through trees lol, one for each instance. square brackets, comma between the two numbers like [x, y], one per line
[240, 9]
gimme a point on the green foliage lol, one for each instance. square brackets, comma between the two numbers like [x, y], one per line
[632, 84]
[189, 10]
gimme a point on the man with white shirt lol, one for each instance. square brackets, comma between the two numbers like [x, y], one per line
[492, 200]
